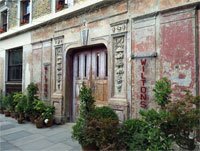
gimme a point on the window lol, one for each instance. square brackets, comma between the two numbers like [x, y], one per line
[78, 66]
[25, 12]
[85, 66]
[97, 64]
[61, 4]
[15, 65]
[4, 21]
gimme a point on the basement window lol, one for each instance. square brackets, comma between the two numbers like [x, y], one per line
[62, 4]
[25, 12]
[4, 21]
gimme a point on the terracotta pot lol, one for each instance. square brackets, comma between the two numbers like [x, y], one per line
[39, 123]
[32, 119]
[90, 147]
[7, 113]
[12, 114]
[49, 123]
[1, 111]
[20, 120]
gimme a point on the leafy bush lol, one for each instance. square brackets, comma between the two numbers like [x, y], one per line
[102, 127]
[48, 112]
[7, 102]
[183, 120]
[104, 112]
[86, 101]
[21, 102]
[162, 91]
[39, 107]
[31, 92]
[127, 132]
[86, 107]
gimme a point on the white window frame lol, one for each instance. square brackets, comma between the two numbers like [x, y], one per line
[19, 13]
[2, 10]
[69, 3]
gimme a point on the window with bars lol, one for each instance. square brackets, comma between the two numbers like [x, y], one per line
[15, 65]
[4, 21]
[25, 12]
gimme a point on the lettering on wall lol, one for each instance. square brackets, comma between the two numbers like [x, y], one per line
[143, 88]
[46, 81]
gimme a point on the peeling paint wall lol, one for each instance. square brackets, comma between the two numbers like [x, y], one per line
[178, 50]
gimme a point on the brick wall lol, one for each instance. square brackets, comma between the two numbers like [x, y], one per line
[12, 14]
[41, 7]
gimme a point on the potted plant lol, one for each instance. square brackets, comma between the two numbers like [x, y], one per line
[21, 106]
[7, 101]
[1, 104]
[31, 97]
[47, 115]
[40, 108]
[79, 129]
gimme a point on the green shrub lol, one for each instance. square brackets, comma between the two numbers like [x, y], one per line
[102, 127]
[7, 102]
[162, 91]
[126, 133]
[31, 92]
[21, 102]
[48, 112]
[86, 107]
[104, 112]
[86, 101]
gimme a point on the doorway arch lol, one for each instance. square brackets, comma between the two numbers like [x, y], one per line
[88, 64]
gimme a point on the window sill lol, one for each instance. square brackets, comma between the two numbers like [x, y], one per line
[14, 83]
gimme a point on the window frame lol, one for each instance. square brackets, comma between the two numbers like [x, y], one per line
[25, 13]
[65, 4]
[2, 30]
[19, 66]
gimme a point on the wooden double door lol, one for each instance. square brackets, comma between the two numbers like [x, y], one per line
[91, 67]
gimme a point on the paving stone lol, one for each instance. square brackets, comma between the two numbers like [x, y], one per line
[6, 126]
[59, 137]
[58, 147]
[27, 139]
[8, 146]
[16, 135]
[36, 145]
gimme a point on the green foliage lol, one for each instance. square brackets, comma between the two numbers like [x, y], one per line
[7, 102]
[48, 112]
[2, 106]
[162, 91]
[86, 108]
[183, 120]
[102, 127]
[144, 134]
[39, 107]
[31, 92]
[21, 102]
[126, 133]
[104, 112]
[86, 101]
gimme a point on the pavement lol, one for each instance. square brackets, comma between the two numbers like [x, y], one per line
[26, 137]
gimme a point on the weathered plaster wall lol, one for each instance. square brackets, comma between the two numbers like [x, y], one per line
[2, 69]
[178, 50]
[143, 63]
[40, 8]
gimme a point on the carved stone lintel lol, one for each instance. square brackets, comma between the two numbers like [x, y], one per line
[119, 27]
[58, 40]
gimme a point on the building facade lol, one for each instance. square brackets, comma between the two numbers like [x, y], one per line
[117, 47]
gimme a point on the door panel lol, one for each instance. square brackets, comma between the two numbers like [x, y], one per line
[90, 67]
